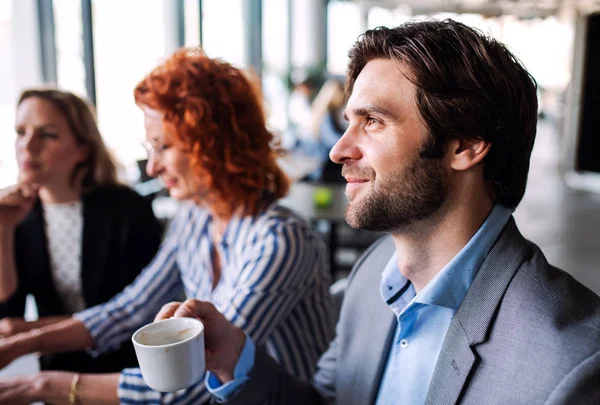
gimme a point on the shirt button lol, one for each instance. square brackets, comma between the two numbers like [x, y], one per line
[404, 343]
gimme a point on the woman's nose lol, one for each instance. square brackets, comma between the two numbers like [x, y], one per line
[27, 142]
[153, 166]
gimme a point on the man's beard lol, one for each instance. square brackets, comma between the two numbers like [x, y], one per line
[399, 198]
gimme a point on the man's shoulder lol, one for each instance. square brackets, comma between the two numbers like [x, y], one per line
[556, 295]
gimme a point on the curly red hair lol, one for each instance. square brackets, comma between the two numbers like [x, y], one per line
[214, 112]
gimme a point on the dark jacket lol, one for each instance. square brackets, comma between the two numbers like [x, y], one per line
[120, 237]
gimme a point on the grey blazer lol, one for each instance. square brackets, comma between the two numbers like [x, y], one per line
[526, 333]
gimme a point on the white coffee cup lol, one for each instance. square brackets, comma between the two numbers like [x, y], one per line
[171, 353]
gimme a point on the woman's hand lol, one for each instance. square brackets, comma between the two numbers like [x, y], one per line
[53, 387]
[12, 326]
[223, 341]
[20, 390]
[15, 203]
[11, 348]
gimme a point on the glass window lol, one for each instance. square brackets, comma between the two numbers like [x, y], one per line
[69, 46]
[342, 36]
[129, 41]
[223, 30]
[192, 23]
[8, 164]
[275, 61]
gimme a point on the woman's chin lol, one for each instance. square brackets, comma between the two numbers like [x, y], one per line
[30, 177]
[177, 194]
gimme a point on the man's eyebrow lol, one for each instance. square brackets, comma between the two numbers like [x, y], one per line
[371, 109]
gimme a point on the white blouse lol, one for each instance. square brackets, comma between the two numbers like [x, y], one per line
[64, 231]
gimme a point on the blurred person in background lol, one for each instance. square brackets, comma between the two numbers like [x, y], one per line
[70, 234]
[322, 126]
[329, 124]
[231, 244]
[299, 109]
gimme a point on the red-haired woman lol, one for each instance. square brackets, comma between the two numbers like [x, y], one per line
[231, 244]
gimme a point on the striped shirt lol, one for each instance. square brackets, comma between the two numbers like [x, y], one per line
[274, 285]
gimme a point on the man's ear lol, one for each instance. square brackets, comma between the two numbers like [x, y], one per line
[467, 153]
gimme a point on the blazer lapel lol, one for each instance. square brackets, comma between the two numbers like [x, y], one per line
[97, 224]
[35, 258]
[474, 317]
[380, 327]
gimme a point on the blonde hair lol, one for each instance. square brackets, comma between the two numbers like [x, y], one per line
[100, 168]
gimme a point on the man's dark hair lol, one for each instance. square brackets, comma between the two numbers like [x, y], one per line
[468, 86]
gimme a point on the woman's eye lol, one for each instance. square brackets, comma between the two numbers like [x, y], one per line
[49, 135]
[161, 148]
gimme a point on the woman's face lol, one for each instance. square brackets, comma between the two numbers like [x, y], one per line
[169, 162]
[46, 148]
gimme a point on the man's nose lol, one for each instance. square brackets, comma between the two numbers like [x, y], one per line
[345, 148]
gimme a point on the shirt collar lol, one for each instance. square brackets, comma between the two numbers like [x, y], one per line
[449, 287]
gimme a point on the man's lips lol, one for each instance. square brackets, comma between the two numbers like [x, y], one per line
[354, 183]
[353, 180]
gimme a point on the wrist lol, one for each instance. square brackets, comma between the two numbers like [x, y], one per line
[227, 373]
[30, 342]
[50, 387]
[39, 385]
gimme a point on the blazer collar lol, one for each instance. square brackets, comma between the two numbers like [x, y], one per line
[473, 319]
[363, 359]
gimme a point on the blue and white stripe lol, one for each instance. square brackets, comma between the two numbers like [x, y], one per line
[274, 285]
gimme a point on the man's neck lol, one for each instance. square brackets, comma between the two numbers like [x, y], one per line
[424, 248]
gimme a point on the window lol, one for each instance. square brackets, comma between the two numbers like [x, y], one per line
[223, 30]
[275, 62]
[69, 46]
[8, 165]
[192, 23]
[129, 41]
[341, 36]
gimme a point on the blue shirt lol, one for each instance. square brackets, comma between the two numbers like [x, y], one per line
[424, 318]
[274, 281]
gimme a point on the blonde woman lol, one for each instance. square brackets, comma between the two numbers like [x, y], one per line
[70, 234]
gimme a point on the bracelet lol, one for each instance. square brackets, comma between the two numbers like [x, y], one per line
[74, 389]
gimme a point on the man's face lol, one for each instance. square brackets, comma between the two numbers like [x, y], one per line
[389, 185]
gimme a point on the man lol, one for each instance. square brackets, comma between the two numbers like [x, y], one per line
[455, 306]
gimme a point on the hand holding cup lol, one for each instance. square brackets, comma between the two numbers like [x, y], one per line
[224, 342]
